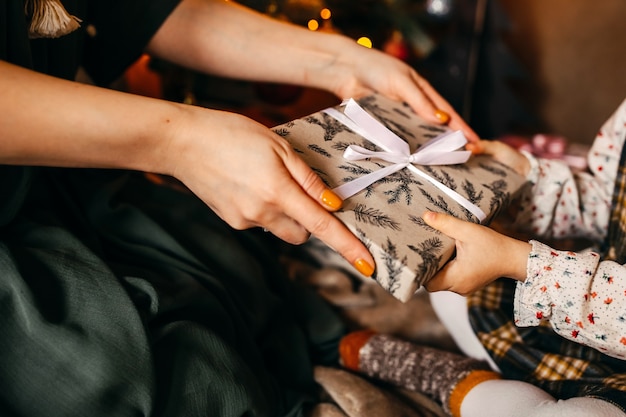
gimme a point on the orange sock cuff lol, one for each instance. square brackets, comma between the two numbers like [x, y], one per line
[350, 345]
[464, 386]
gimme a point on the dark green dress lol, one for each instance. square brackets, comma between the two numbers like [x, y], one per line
[119, 297]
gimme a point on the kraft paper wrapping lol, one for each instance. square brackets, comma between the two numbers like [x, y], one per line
[386, 215]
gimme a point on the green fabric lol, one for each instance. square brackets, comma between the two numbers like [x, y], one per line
[120, 297]
[123, 28]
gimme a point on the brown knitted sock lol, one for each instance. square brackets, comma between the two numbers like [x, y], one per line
[444, 376]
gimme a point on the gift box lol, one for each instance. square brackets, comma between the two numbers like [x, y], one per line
[390, 166]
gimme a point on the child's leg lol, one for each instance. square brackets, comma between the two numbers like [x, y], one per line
[451, 309]
[505, 398]
[464, 386]
[444, 376]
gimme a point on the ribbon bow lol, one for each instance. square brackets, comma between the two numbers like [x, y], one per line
[441, 150]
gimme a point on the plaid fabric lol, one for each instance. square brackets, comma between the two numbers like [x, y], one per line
[615, 244]
[538, 355]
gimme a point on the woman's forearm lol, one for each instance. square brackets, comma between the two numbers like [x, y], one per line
[54, 122]
[224, 38]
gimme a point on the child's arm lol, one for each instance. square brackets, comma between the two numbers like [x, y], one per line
[584, 299]
[561, 203]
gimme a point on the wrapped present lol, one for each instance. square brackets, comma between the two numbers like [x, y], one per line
[390, 166]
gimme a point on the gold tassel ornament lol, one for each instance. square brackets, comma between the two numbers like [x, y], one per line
[49, 19]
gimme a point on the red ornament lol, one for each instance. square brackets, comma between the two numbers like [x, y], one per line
[396, 46]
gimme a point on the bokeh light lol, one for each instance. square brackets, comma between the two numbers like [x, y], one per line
[364, 41]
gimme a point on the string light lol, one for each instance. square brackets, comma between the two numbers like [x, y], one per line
[364, 41]
[325, 14]
[313, 24]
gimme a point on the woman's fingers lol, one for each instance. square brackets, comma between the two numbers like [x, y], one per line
[288, 230]
[309, 201]
[430, 102]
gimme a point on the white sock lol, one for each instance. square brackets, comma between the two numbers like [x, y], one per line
[506, 398]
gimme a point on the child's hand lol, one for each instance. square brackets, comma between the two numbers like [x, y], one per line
[501, 152]
[482, 255]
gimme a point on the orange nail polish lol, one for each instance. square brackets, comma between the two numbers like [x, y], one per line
[442, 116]
[475, 148]
[364, 267]
[350, 346]
[331, 200]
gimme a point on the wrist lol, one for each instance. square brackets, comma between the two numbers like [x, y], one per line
[162, 141]
[331, 70]
[519, 251]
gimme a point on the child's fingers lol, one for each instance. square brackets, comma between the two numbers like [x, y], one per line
[446, 224]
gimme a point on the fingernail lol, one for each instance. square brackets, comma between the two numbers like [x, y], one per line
[442, 116]
[331, 200]
[428, 215]
[475, 148]
[364, 267]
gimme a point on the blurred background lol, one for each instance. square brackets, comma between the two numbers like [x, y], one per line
[512, 68]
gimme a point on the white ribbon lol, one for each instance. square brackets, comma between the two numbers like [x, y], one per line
[441, 150]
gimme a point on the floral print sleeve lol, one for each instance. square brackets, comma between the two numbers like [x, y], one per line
[561, 203]
[584, 299]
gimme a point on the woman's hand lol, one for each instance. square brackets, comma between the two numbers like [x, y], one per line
[482, 256]
[501, 152]
[251, 177]
[362, 71]
[228, 39]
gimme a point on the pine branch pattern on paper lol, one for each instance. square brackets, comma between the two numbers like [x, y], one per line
[393, 265]
[375, 217]
[473, 197]
[459, 167]
[319, 150]
[399, 129]
[441, 176]
[342, 146]
[402, 181]
[428, 251]
[386, 215]
[440, 203]
[435, 129]
[501, 172]
[420, 222]
[363, 238]
[282, 131]
[332, 127]
[500, 196]
[357, 171]
[470, 192]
